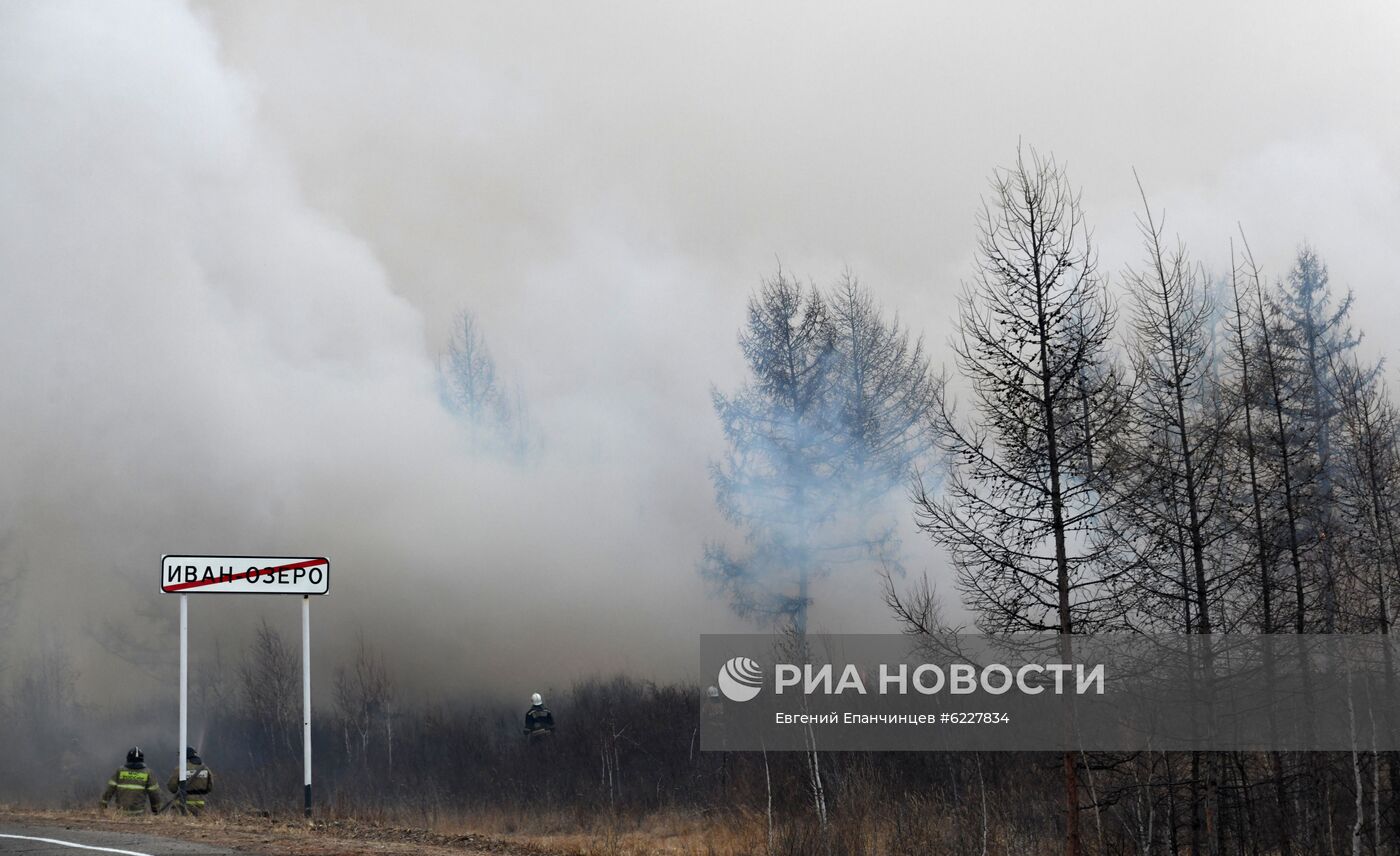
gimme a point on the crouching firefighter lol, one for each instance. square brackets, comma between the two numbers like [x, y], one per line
[198, 782]
[539, 722]
[134, 785]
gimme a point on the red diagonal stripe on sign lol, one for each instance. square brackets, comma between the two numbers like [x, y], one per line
[210, 582]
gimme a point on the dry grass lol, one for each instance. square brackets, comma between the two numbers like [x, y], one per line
[672, 832]
[922, 828]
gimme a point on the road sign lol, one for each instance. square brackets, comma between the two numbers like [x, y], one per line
[245, 575]
[185, 575]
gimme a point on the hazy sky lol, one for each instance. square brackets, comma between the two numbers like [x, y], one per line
[233, 236]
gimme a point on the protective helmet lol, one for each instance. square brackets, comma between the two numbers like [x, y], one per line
[536, 699]
[191, 754]
[712, 692]
[134, 755]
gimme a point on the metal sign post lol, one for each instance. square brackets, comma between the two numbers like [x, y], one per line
[184, 693]
[306, 697]
[246, 575]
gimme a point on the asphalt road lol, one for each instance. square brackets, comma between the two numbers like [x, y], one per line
[54, 841]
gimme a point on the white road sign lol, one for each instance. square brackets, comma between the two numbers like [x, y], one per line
[183, 575]
[245, 575]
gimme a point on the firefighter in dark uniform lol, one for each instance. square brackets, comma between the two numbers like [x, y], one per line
[716, 732]
[539, 722]
[198, 782]
[134, 785]
[712, 718]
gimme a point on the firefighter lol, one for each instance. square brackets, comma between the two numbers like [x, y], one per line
[712, 716]
[134, 785]
[539, 722]
[198, 781]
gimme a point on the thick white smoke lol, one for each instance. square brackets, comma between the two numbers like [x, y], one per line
[196, 360]
[232, 238]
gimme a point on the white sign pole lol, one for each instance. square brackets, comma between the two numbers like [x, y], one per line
[184, 689]
[306, 696]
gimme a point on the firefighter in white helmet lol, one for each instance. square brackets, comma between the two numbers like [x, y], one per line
[539, 722]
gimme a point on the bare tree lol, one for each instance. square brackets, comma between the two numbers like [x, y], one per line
[1173, 483]
[1021, 506]
[364, 694]
[44, 700]
[1019, 513]
[833, 417]
[1366, 475]
[777, 478]
[886, 394]
[493, 410]
[1247, 335]
[1314, 334]
[1281, 443]
[1243, 333]
[270, 676]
